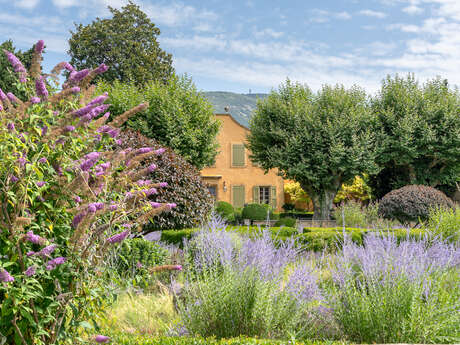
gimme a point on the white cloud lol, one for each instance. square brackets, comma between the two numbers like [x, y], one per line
[371, 13]
[413, 10]
[176, 14]
[268, 32]
[27, 4]
[322, 16]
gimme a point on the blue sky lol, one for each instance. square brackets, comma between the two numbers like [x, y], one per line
[256, 44]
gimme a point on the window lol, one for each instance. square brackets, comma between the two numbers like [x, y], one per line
[238, 198]
[212, 188]
[264, 195]
[238, 155]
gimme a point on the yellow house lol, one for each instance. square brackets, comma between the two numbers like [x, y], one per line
[234, 178]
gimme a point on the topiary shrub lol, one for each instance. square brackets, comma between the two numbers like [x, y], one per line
[225, 210]
[185, 187]
[256, 211]
[412, 203]
[289, 222]
[138, 253]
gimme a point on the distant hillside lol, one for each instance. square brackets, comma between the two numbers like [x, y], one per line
[241, 105]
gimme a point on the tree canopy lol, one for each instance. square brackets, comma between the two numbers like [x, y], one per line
[127, 43]
[178, 116]
[418, 130]
[320, 140]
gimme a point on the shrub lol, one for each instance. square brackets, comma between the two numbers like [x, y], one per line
[225, 210]
[445, 223]
[178, 116]
[138, 253]
[289, 222]
[185, 186]
[67, 196]
[256, 211]
[412, 203]
[288, 207]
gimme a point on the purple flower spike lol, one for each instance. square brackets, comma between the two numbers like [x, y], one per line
[100, 99]
[163, 184]
[44, 130]
[77, 219]
[12, 98]
[69, 128]
[75, 89]
[171, 205]
[10, 127]
[47, 250]
[101, 69]
[144, 150]
[139, 265]
[39, 46]
[41, 183]
[17, 65]
[5, 276]
[13, 179]
[93, 155]
[95, 206]
[35, 100]
[118, 141]
[151, 167]
[113, 207]
[69, 67]
[155, 204]
[78, 76]
[2, 95]
[42, 160]
[40, 87]
[51, 265]
[177, 267]
[118, 237]
[35, 239]
[31, 253]
[22, 161]
[77, 199]
[160, 151]
[101, 339]
[30, 271]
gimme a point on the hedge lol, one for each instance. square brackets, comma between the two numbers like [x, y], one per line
[315, 239]
[129, 339]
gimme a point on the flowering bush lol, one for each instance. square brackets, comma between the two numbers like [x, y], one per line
[66, 197]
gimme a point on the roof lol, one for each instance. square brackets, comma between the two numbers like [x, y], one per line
[229, 115]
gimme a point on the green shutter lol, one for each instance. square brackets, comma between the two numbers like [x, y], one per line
[273, 197]
[238, 155]
[256, 195]
[238, 196]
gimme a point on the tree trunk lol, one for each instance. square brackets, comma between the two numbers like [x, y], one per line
[322, 203]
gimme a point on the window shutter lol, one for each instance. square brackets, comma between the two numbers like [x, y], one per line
[238, 155]
[256, 195]
[238, 196]
[273, 197]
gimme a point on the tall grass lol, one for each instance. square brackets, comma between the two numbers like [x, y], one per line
[445, 223]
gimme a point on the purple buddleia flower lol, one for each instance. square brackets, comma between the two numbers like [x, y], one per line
[151, 167]
[39, 46]
[17, 66]
[113, 133]
[101, 69]
[82, 111]
[40, 87]
[99, 99]
[13, 179]
[69, 67]
[30, 271]
[163, 184]
[139, 265]
[143, 182]
[78, 76]
[150, 191]
[30, 253]
[160, 151]
[41, 183]
[69, 128]
[93, 155]
[99, 109]
[51, 264]
[101, 339]
[42, 160]
[77, 219]
[118, 141]
[22, 161]
[113, 207]
[40, 198]
[104, 129]
[44, 130]
[12, 98]
[171, 205]
[3, 97]
[95, 206]
[155, 204]
[118, 237]
[1, 108]
[35, 100]
[5, 276]
[47, 250]
[75, 89]
[144, 150]
[10, 126]
[77, 199]
[31, 237]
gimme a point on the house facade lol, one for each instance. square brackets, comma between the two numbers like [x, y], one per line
[234, 178]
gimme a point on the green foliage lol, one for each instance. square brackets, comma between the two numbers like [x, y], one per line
[178, 116]
[288, 207]
[225, 210]
[185, 186]
[296, 193]
[127, 43]
[8, 78]
[358, 190]
[444, 223]
[63, 198]
[177, 237]
[136, 252]
[286, 221]
[289, 132]
[412, 203]
[256, 212]
[418, 134]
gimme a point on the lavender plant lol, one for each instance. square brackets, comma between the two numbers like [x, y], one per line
[67, 196]
[387, 292]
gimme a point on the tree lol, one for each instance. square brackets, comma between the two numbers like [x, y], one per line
[8, 78]
[127, 43]
[418, 130]
[320, 140]
[178, 116]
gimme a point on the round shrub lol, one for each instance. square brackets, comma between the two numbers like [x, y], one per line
[225, 210]
[412, 203]
[256, 211]
[288, 221]
[185, 186]
[137, 253]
